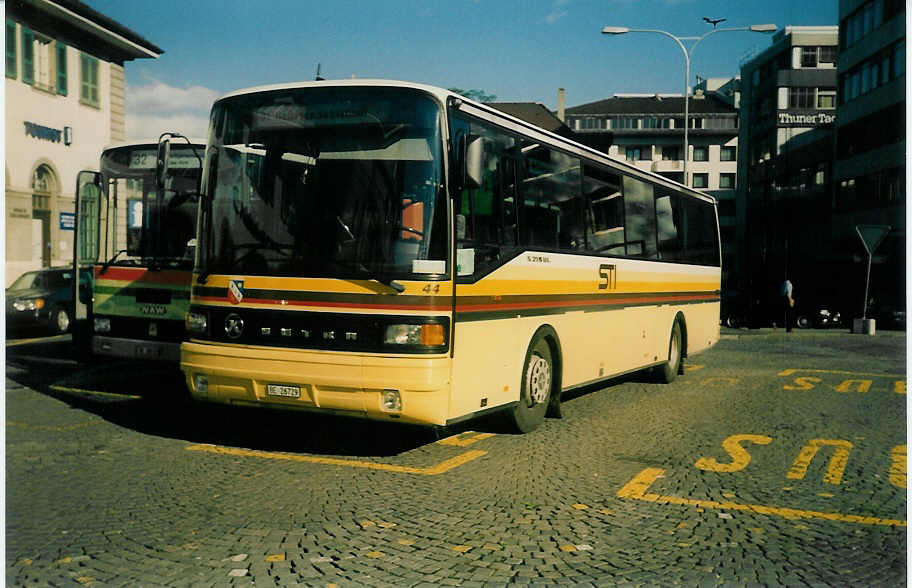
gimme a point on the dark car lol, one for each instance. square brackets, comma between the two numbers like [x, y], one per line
[42, 300]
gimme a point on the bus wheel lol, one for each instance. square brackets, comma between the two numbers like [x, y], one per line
[666, 372]
[537, 381]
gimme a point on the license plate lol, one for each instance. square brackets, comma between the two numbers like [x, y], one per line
[283, 391]
[147, 351]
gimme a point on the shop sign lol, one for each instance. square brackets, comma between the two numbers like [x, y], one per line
[67, 221]
[804, 119]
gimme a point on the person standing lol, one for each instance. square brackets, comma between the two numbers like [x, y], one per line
[788, 302]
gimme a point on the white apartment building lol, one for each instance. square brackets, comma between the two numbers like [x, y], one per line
[65, 96]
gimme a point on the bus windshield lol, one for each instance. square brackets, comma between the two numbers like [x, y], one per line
[335, 182]
[148, 228]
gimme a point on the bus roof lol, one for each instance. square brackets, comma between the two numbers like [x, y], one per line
[443, 94]
[151, 141]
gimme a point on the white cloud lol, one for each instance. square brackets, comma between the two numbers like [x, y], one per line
[150, 126]
[157, 107]
[159, 97]
[557, 11]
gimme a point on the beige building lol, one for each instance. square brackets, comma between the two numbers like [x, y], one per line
[64, 103]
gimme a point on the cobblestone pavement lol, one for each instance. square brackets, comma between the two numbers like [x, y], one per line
[775, 460]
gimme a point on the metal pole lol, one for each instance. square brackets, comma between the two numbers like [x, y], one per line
[864, 308]
[686, 113]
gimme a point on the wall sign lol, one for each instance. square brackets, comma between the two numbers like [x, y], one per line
[42, 132]
[817, 119]
[67, 221]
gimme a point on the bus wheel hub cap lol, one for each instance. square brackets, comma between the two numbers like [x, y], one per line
[539, 380]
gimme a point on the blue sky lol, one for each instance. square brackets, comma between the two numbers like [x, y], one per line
[516, 50]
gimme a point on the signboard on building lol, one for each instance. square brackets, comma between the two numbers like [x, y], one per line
[67, 221]
[805, 119]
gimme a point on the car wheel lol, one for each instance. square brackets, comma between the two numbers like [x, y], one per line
[667, 372]
[535, 392]
[60, 320]
[804, 322]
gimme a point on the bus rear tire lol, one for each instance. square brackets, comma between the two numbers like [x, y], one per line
[667, 372]
[536, 389]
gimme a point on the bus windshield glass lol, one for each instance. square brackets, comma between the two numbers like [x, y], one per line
[330, 182]
[150, 228]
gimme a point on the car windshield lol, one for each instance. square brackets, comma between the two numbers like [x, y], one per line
[152, 229]
[49, 280]
[335, 182]
[25, 281]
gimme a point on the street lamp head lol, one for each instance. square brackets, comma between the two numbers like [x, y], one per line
[615, 30]
[763, 28]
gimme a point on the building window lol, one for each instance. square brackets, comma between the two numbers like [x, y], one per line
[809, 57]
[701, 153]
[671, 153]
[700, 180]
[828, 54]
[12, 63]
[88, 88]
[801, 97]
[726, 181]
[728, 154]
[28, 56]
[638, 153]
[826, 99]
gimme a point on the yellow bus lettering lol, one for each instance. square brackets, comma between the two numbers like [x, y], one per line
[740, 457]
[834, 469]
[899, 386]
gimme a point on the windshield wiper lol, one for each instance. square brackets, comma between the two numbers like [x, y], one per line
[385, 280]
[108, 263]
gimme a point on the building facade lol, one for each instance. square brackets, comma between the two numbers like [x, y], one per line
[65, 95]
[784, 208]
[870, 168]
[648, 131]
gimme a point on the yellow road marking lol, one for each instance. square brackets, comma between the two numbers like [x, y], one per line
[834, 469]
[94, 392]
[462, 440]
[636, 489]
[740, 457]
[440, 468]
[898, 466]
[790, 371]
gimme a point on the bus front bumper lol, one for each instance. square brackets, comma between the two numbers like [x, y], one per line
[342, 383]
[136, 349]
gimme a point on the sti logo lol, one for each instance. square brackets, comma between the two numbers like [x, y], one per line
[235, 291]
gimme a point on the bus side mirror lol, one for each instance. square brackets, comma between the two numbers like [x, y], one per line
[161, 163]
[474, 163]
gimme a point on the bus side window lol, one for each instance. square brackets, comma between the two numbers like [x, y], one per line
[551, 215]
[604, 211]
[701, 243]
[639, 218]
[668, 219]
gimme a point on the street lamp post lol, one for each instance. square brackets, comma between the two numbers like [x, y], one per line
[758, 28]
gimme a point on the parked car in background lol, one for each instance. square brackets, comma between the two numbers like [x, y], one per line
[42, 300]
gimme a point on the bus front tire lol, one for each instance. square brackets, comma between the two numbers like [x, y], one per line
[667, 372]
[536, 389]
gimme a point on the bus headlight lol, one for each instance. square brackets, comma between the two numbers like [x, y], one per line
[427, 335]
[201, 383]
[390, 401]
[196, 323]
[102, 325]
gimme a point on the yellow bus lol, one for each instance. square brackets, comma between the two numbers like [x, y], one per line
[395, 251]
[135, 235]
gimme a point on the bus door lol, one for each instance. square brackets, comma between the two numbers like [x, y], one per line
[85, 247]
